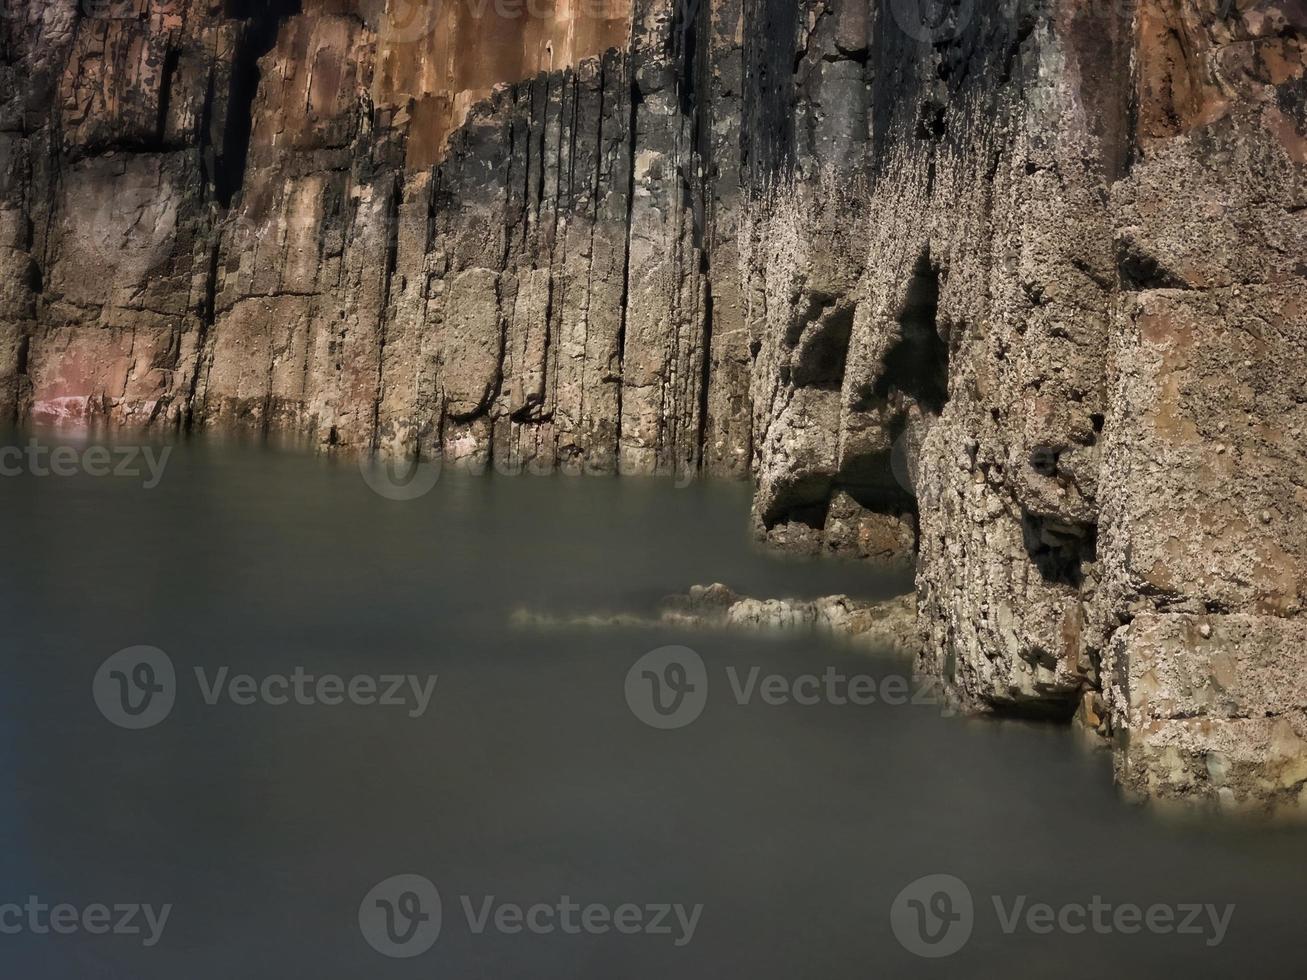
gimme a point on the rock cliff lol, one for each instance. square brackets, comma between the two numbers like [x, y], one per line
[1014, 290]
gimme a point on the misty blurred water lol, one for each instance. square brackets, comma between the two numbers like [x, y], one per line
[528, 777]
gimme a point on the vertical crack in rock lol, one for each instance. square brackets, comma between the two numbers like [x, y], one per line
[396, 201]
[207, 312]
[917, 363]
[631, 145]
[262, 21]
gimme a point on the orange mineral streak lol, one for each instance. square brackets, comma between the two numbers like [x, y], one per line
[446, 55]
[1198, 61]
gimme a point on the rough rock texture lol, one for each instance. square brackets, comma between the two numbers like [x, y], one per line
[447, 56]
[1014, 290]
[298, 218]
[1041, 269]
[108, 126]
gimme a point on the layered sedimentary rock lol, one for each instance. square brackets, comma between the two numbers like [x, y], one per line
[302, 219]
[1013, 290]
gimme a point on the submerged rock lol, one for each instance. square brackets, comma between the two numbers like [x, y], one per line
[886, 625]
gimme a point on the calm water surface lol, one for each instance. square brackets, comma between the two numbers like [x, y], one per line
[528, 777]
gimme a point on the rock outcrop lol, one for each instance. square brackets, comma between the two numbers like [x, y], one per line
[1013, 290]
[885, 626]
[307, 219]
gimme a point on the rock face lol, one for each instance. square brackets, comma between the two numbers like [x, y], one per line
[1013, 289]
[1043, 263]
[269, 216]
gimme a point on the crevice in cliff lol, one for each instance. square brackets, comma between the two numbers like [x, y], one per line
[685, 45]
[1059, 549]
[1055, 710]
[1138, 270]
[631, 133]
[1025, 28]
[21, 380]
[384, 315]
[767, 151]
[805, 500]
[207, 153]
[864, 505]
[207, 315]
[705, 376]
[917, 365]
[822, 358]
[170, 62]
[541, 137]
[263, 22]
[910, 391]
